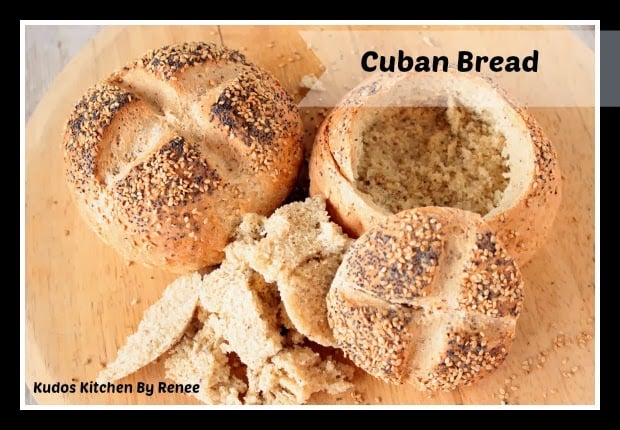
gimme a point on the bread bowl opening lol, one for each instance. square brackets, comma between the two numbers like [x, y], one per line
[441, 155]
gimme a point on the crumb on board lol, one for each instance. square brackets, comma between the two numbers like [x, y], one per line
[539, 360]
[358, 398]
[311, 82]
[429, 41]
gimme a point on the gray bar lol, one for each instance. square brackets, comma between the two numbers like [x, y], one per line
[610, 68]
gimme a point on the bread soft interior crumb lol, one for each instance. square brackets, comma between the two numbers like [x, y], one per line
[432, 156]
[237, 340]
[299, 249]
[293, 375]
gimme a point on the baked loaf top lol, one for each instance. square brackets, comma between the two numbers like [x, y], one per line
[400, 141]
[429, 297]
[166, 155]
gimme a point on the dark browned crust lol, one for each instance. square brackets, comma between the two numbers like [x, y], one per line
[380, 319]
[467, 359]
[374, 337]
[396, 261]
[166, 61]
[85, 126]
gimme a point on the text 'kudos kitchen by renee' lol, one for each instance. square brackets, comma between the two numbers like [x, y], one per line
[91, 387]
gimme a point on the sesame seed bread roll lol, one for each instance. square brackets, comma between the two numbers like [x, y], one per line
[166, 155]
[400, 141]
[428, 297]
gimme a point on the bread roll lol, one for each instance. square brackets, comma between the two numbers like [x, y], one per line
[400, 141]
[166, 155]
[428, 297]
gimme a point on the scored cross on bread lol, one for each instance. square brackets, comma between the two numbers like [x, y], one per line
[428, 297]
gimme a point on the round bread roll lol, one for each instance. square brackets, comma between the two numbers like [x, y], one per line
[166, 155]
[400, 141]
[428, 297]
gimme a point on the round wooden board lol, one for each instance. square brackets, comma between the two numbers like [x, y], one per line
[83, 300]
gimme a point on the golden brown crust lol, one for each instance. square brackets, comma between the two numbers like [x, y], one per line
[467, 358]
[351, 209]
[524, 226]
[166, 155]
[527, 211]
[168, 60]
[398, 272]
[424, 296]
[373, 335]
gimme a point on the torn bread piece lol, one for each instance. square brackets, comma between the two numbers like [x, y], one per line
[200, 360]
[242, 310]
[242, 325]
[300, 250]
[294, 234]
[293, 375]
[303, 293]
[162, 325]
[242, 314]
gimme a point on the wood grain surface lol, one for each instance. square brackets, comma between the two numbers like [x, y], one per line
[83, 300]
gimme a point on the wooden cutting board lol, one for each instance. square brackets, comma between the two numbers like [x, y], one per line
[83, 300]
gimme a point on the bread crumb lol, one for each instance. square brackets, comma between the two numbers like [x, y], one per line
[357, 397]
[430, 41]
[311, 82]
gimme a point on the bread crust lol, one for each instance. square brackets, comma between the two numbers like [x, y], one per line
[531, 200]
[428, 297]
[165, 156]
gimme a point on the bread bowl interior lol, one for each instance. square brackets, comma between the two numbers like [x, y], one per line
[448, 141]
